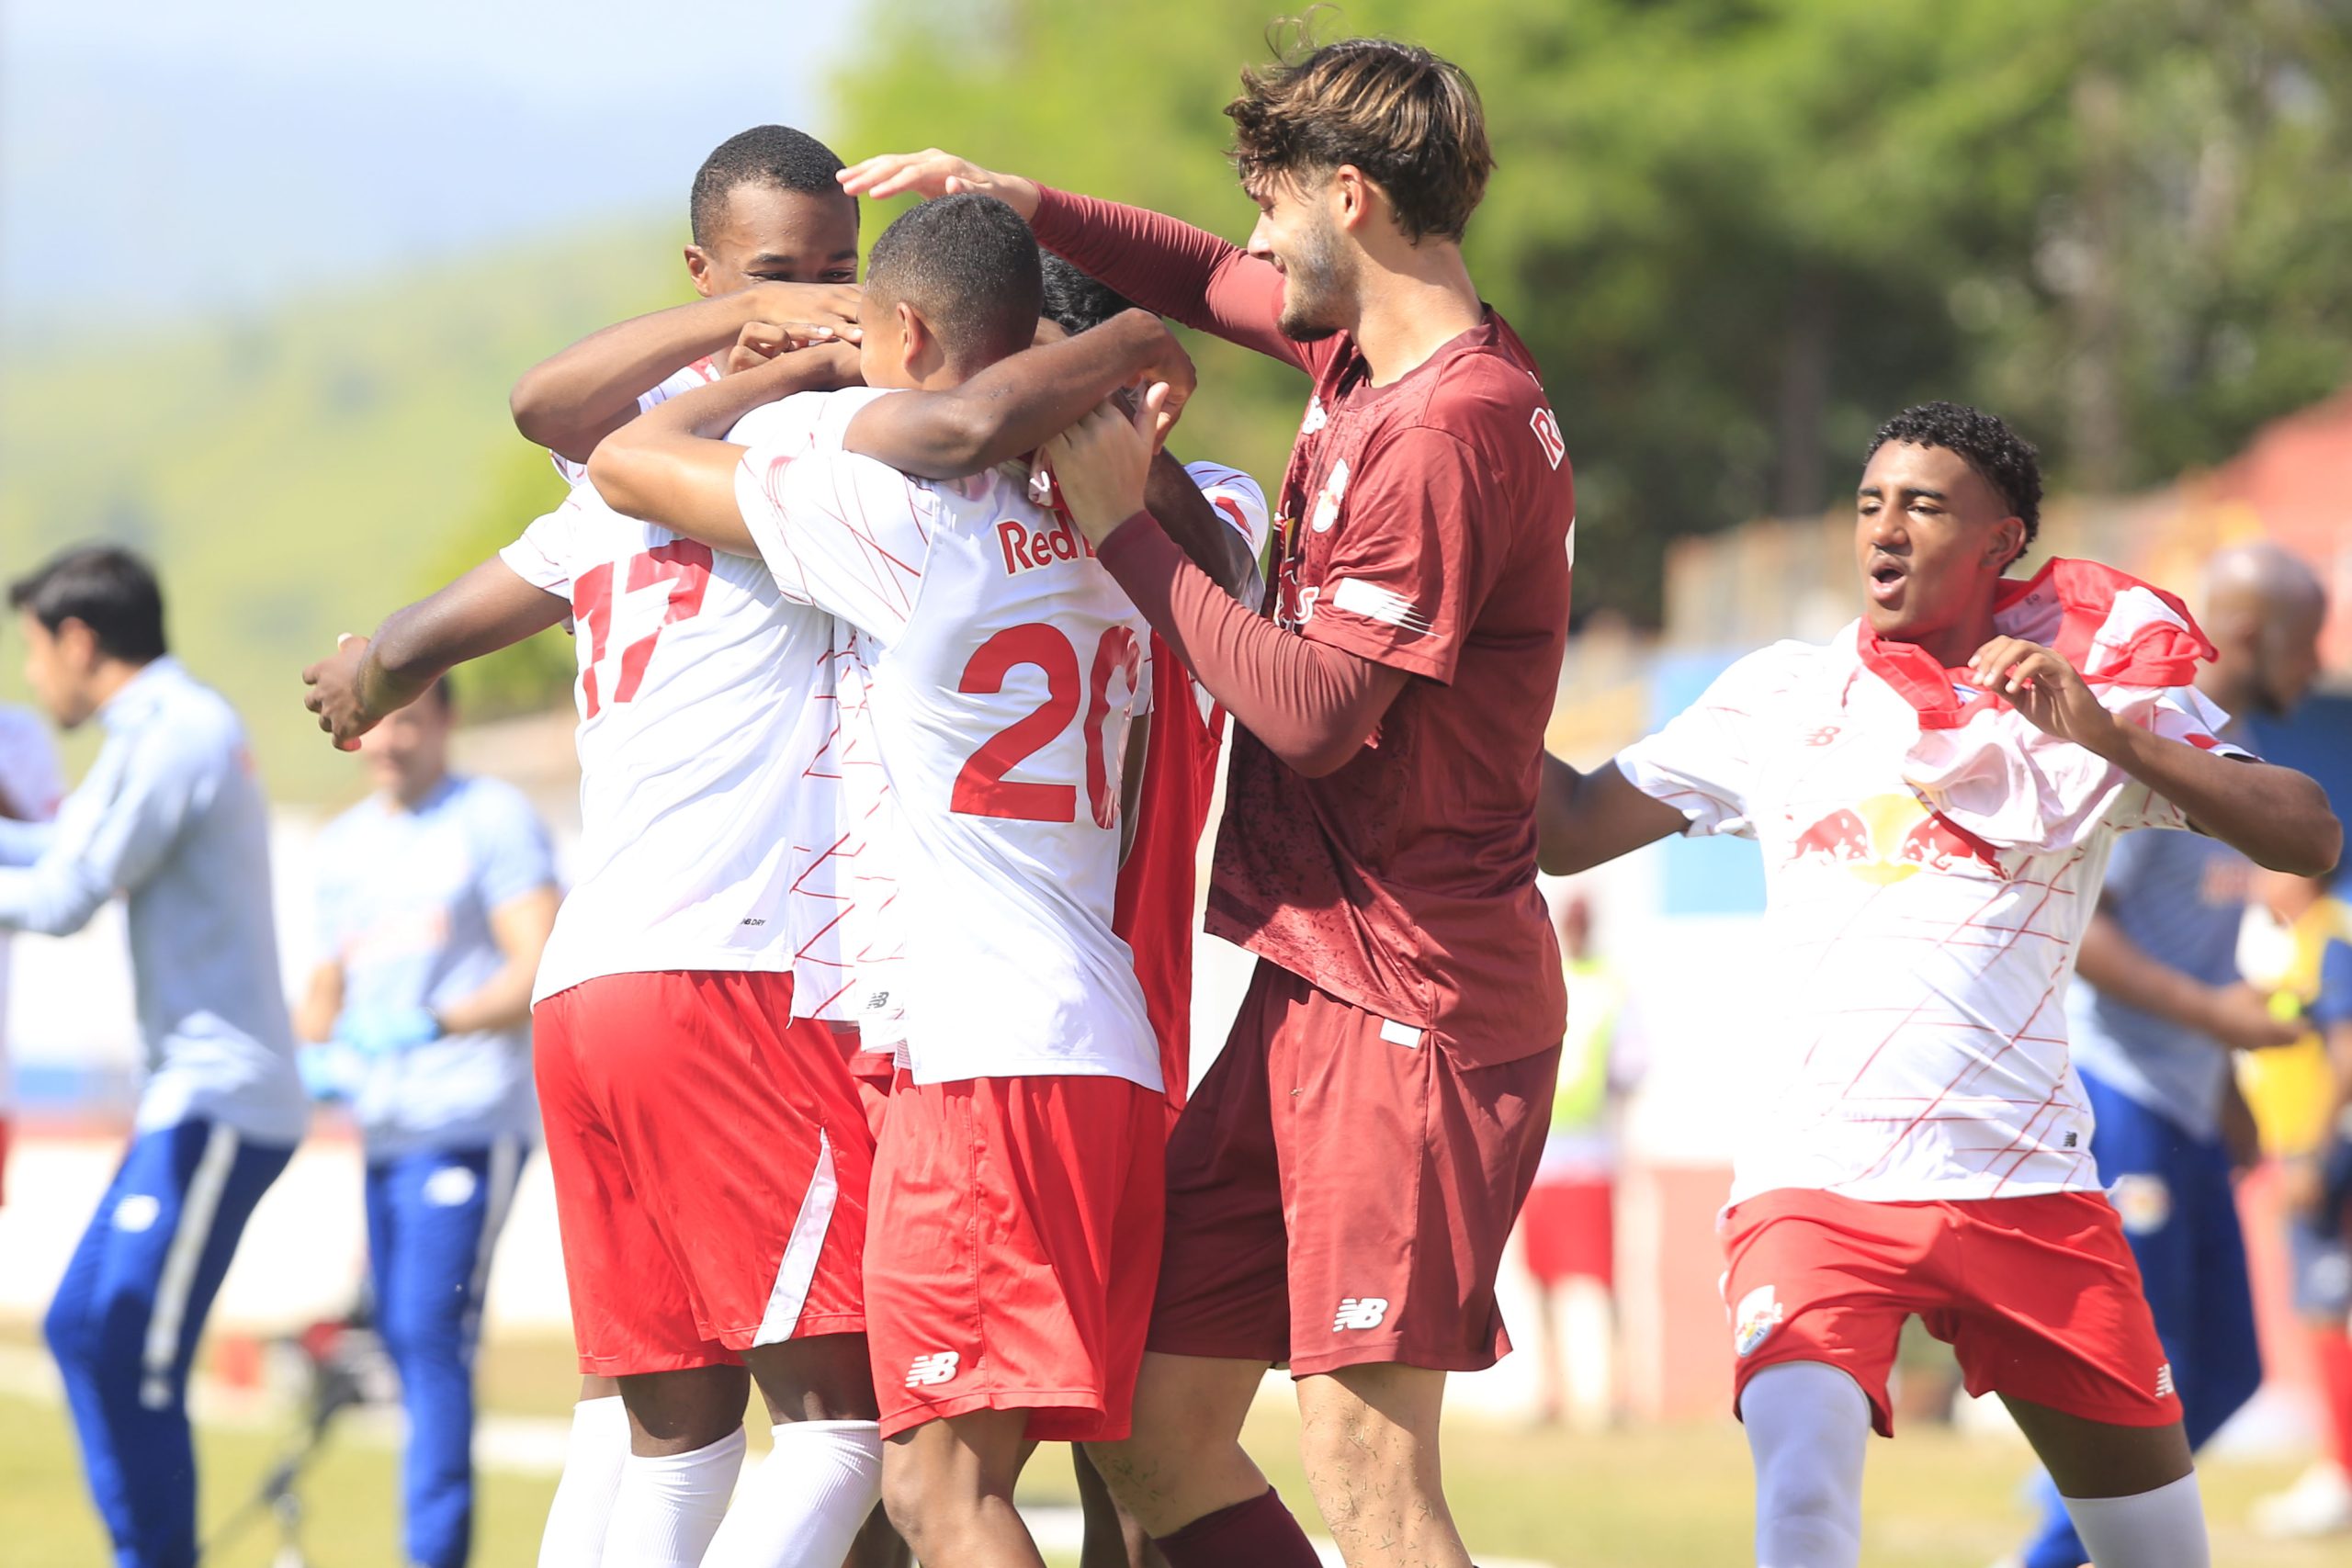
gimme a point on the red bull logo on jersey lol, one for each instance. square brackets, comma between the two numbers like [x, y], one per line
[1026, 548]
[1887, 838]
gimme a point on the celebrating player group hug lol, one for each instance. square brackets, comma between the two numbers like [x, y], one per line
[906, 650]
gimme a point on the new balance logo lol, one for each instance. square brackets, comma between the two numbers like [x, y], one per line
[936, 1368]
[1359, 1312]
[2164, 1382]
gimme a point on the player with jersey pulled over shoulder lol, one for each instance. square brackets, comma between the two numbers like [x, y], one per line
[1936, 791]
[1014, 1218]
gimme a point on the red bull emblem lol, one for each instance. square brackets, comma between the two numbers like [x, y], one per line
[1887, 838]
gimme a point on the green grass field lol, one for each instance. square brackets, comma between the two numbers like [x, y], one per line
[1644, 1498]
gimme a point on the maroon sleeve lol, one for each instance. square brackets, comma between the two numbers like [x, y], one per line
[1312, 707]
[1426, 521]
[1170, 269]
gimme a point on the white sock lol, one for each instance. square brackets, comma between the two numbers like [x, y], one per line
[1807, 1426]
[669, 1505]
[2163, 1528]
[591, 1473]
[804, 1504]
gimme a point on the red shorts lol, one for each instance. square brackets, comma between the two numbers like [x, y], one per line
[875, 1072]
[710, 1161]
[1335, 1198]
[2038, 1296]
[1569, 1230]
[1012, 1244]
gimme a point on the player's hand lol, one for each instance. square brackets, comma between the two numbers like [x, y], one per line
[931, 173]
[1100, 464]
[2047, 690]
[332, 1071]
[334, 693]
[808, 306]
[2240, 1017]
[382, 1033]
[759, 342]
[1171, 369]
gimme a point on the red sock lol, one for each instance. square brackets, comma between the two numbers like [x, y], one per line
[2333, 1348]
[1260, 1533]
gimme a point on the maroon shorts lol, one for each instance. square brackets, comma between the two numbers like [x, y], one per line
[1335, 1198]
[710, 1161]
[1569, 1230]
[2038, 1296]
[1010, 1250]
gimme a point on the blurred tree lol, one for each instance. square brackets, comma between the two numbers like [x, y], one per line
[1739, 233]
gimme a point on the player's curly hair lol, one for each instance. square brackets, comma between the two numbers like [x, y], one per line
[2001, 458]
[1411, 121]
[775, 156]
[1077, 302]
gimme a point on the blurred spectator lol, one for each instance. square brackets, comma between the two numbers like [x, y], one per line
[436, 896]
[31, 787]
[2299, 947]
[1568, 1226]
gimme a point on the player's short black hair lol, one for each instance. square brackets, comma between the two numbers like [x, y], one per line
[774, 155]
[969, 265]
[2001, 458]
[105, 588]
[1075, 301]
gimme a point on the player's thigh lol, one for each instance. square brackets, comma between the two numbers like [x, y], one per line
[447, 1204]
[942, 1468]
[681, 1411]
[826, 1377]
[1380, 1420]
[2101, 1459]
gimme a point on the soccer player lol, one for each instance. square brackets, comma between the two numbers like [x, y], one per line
[171, 818]
[31, 787]
[436, 897]
[1015, 1215]
[1377, 850]
[1936, 792]
[688, 660]
[2161, 1008]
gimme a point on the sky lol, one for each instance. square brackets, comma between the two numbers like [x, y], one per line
[162, 157]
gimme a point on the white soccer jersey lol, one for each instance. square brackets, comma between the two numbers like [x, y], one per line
[1004, 667]
[1919, 1039]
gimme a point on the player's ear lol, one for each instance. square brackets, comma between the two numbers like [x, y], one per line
[698, 269]
[2009, 543]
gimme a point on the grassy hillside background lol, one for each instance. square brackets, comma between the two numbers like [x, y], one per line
[297, 473]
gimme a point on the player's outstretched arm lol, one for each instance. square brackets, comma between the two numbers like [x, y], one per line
[1585, 819]
[571, 402]
[1159, 262]
[1014, 406]
[364, 679]
[670, 466]
[2235, 1016]
[2276, 817]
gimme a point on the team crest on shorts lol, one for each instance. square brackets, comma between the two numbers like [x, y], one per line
[2142, 1201]
[1759, 1314]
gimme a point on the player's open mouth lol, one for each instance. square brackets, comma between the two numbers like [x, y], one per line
[1887, 579]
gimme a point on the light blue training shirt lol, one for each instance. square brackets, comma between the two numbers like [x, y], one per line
[172, 818]
[2180, 897]
[404, 901]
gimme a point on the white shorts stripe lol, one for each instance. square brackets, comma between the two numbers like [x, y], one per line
[798, 1270]
[504, 1176]
[198, 1206]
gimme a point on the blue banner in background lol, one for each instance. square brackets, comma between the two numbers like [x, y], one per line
[1711, 876]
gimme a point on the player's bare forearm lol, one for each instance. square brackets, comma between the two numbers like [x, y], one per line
[1131, 784]
[669, 465]
[1585, 819]
[571, 402]
[1168, 265]
[363, 681]
[321, 1003]
[1197, 528]
[1014, 406]
[2276, 817]
[520, 927]
[2235, 1016]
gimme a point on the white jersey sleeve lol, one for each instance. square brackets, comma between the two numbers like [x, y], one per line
[1241, 501]
[2188, 715]
[841, 533]
[1703, 762]
[543, 555]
